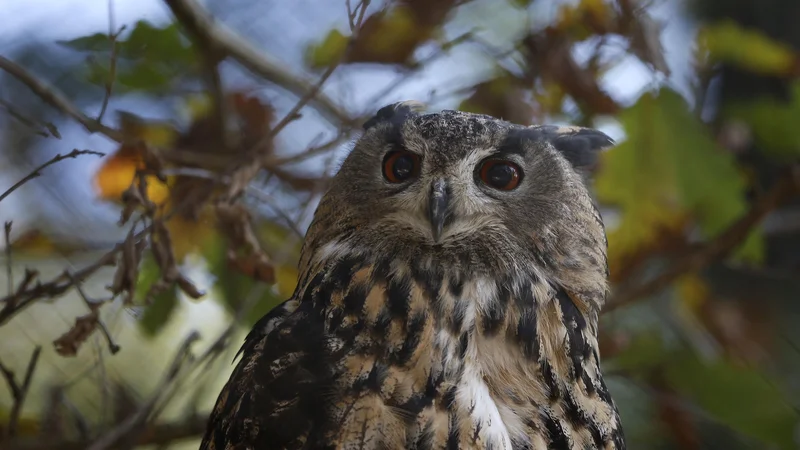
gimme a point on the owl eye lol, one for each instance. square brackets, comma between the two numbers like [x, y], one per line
[500, 174]
[400, 166]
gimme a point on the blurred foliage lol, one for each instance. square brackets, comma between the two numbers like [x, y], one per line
[692, 365]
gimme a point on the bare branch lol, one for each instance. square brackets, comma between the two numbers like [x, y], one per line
[93, 305]
[25, 296]
[37, 171]
[194, 18]
[112, 64]
[42, 129]
[19, 392]
[718, 248]
[9, 267]
[135, 423]
[57, 100]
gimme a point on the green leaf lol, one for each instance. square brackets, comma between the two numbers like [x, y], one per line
[744, 399]
[670, 168]
[149, 58]
[159, 312]
[325, 53]
[152, 44]
[97, 42]
[773, 122]
[163, 305]
[749, 49]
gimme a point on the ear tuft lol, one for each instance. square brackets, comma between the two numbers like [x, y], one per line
[395, 113]
[580, 146]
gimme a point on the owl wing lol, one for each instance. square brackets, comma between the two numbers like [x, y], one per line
[267, 402]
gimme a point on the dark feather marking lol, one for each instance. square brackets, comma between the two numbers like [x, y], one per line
[355, 298]
[495, 314]
[576, 325]
[558, 438]
[456, 287]
[459, 314]
[415, 404]
[376, 377]
[430, 280]
[550, 380]
[449, 399]
[414, 329]
[398, 293]
[425, 439]
[527, 336]
[453, 433]
[588, 384]
[602, 392]
[463, 344]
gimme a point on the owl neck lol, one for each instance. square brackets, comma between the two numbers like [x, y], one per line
[514, 342]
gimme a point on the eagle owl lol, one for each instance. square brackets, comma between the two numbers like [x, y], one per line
[448, 297]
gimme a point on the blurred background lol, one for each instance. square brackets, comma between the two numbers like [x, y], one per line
[161, 160]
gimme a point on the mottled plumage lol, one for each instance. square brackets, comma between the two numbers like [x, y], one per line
[437, 312]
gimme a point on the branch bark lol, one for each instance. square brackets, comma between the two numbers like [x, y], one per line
[56, 99]
[202, 25]
[37, 172]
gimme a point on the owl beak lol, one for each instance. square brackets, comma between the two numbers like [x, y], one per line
[438, 205]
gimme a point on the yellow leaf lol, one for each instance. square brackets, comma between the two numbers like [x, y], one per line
[117, 173]
[154, 133]
[328, 51]
[34, 242]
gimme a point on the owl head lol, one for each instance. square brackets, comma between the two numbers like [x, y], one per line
[469, 193]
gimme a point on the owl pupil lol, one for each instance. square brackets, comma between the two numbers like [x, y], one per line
[500, 175]
[403, 167]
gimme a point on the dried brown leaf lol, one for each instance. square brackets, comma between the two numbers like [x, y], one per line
[69, 343]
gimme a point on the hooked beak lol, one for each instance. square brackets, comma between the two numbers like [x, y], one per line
[438, 205]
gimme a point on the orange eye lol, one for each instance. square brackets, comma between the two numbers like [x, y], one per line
[500, 174]
[400, 166]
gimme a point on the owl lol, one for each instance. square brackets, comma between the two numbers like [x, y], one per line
[448, 297]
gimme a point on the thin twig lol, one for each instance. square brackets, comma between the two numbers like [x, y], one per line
[25, 296]
[294, 113]
[112, 65]
[136, 421]
[51, 129]
[37, 171]
[720, 247]
[56, 99]
[93, 305]
[9, 268]
[19, 392]
[193, 16]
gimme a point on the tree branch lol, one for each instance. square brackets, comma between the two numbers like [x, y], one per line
[720, 247]
[37, 171]
[57, 99]
[19, 392]
[201, 24]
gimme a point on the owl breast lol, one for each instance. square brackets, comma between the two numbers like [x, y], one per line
[428, 359]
